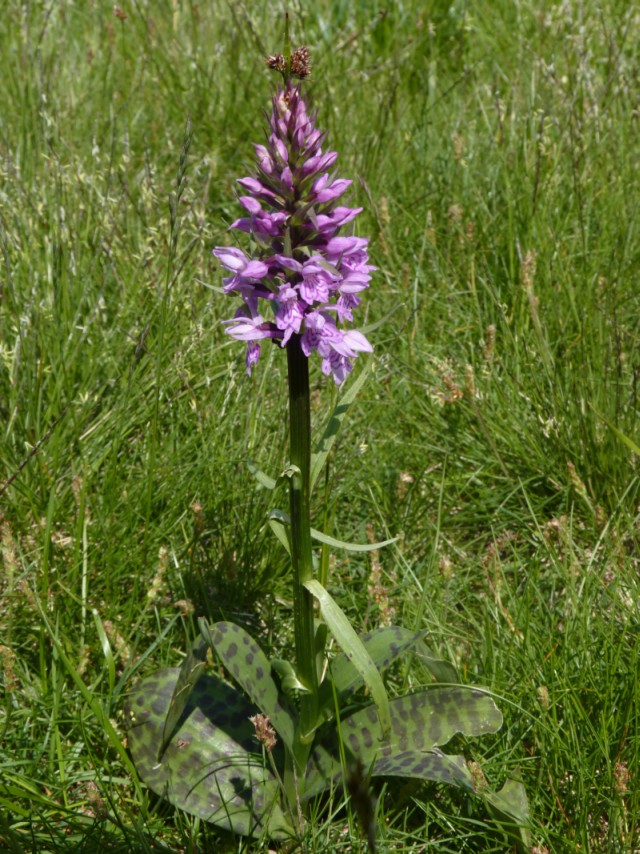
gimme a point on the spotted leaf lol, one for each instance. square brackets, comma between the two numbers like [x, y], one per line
[213, 766]
[510, 808]
[420, 723]
[250, 668]
[189, 673]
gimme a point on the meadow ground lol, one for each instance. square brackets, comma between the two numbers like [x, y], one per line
[494, 147]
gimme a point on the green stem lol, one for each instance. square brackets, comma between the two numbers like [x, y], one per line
[287, 49]
[301, 555]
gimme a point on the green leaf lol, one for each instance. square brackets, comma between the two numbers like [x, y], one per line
[189, 673]
[250, 668]
[282, 519]
[510, 808]
[279, 529]
[622, 436]
[320, 645]
[319, 456]
[349, 547]
[442, 670]
[354, 649]
[289, 681]
[262, 478]
[384, 645]
[420, 723]
[425, 765]
[106, 650]
[324, 769]
[212, 767]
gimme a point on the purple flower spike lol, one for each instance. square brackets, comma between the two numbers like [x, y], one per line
[311, 274]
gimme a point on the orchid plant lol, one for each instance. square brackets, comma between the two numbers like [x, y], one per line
[250, 752]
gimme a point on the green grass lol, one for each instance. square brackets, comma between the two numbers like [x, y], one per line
[494, 146]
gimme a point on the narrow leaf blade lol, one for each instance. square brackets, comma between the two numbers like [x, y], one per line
[349, 547]
[384, 645]
[628, 441]
[355, 651]
[283, 519]
[279, 529]
[262, 478]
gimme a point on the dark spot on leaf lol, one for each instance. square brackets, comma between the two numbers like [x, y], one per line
[158, 705]
[259, 672]
[399, 730]
[232, 650]
[249, 658]
[354, 744]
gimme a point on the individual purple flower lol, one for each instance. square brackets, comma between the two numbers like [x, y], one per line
[245, 271]
[260, 223]
[246, 326]
[290, 311]
[307, 276]
[315, 280]
[323, 191]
